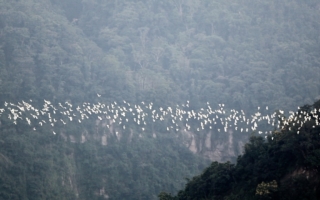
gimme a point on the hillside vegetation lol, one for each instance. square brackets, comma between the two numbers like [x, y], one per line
[243, 54]
[285, 166]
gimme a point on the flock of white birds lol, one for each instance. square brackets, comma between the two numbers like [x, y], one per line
[180, 118]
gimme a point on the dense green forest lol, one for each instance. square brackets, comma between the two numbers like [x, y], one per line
[243, 54]
[285, 166]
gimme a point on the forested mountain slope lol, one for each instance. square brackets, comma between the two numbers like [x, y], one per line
[243, 54]
[285, 166]
[44, 56]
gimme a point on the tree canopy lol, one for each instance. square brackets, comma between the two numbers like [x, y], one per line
[243, 54]
[283, 166]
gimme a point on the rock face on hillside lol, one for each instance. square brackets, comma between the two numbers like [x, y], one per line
[219, 147]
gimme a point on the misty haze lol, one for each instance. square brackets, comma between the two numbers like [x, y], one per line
[167, 99]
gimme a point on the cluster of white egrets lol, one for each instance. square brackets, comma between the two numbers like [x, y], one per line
[178, 118]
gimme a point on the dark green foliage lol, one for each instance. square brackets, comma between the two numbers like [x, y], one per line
[40, 166]
[286, 158]
[215, 182]
[34, 166]
[245, 54]
[137, 170]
